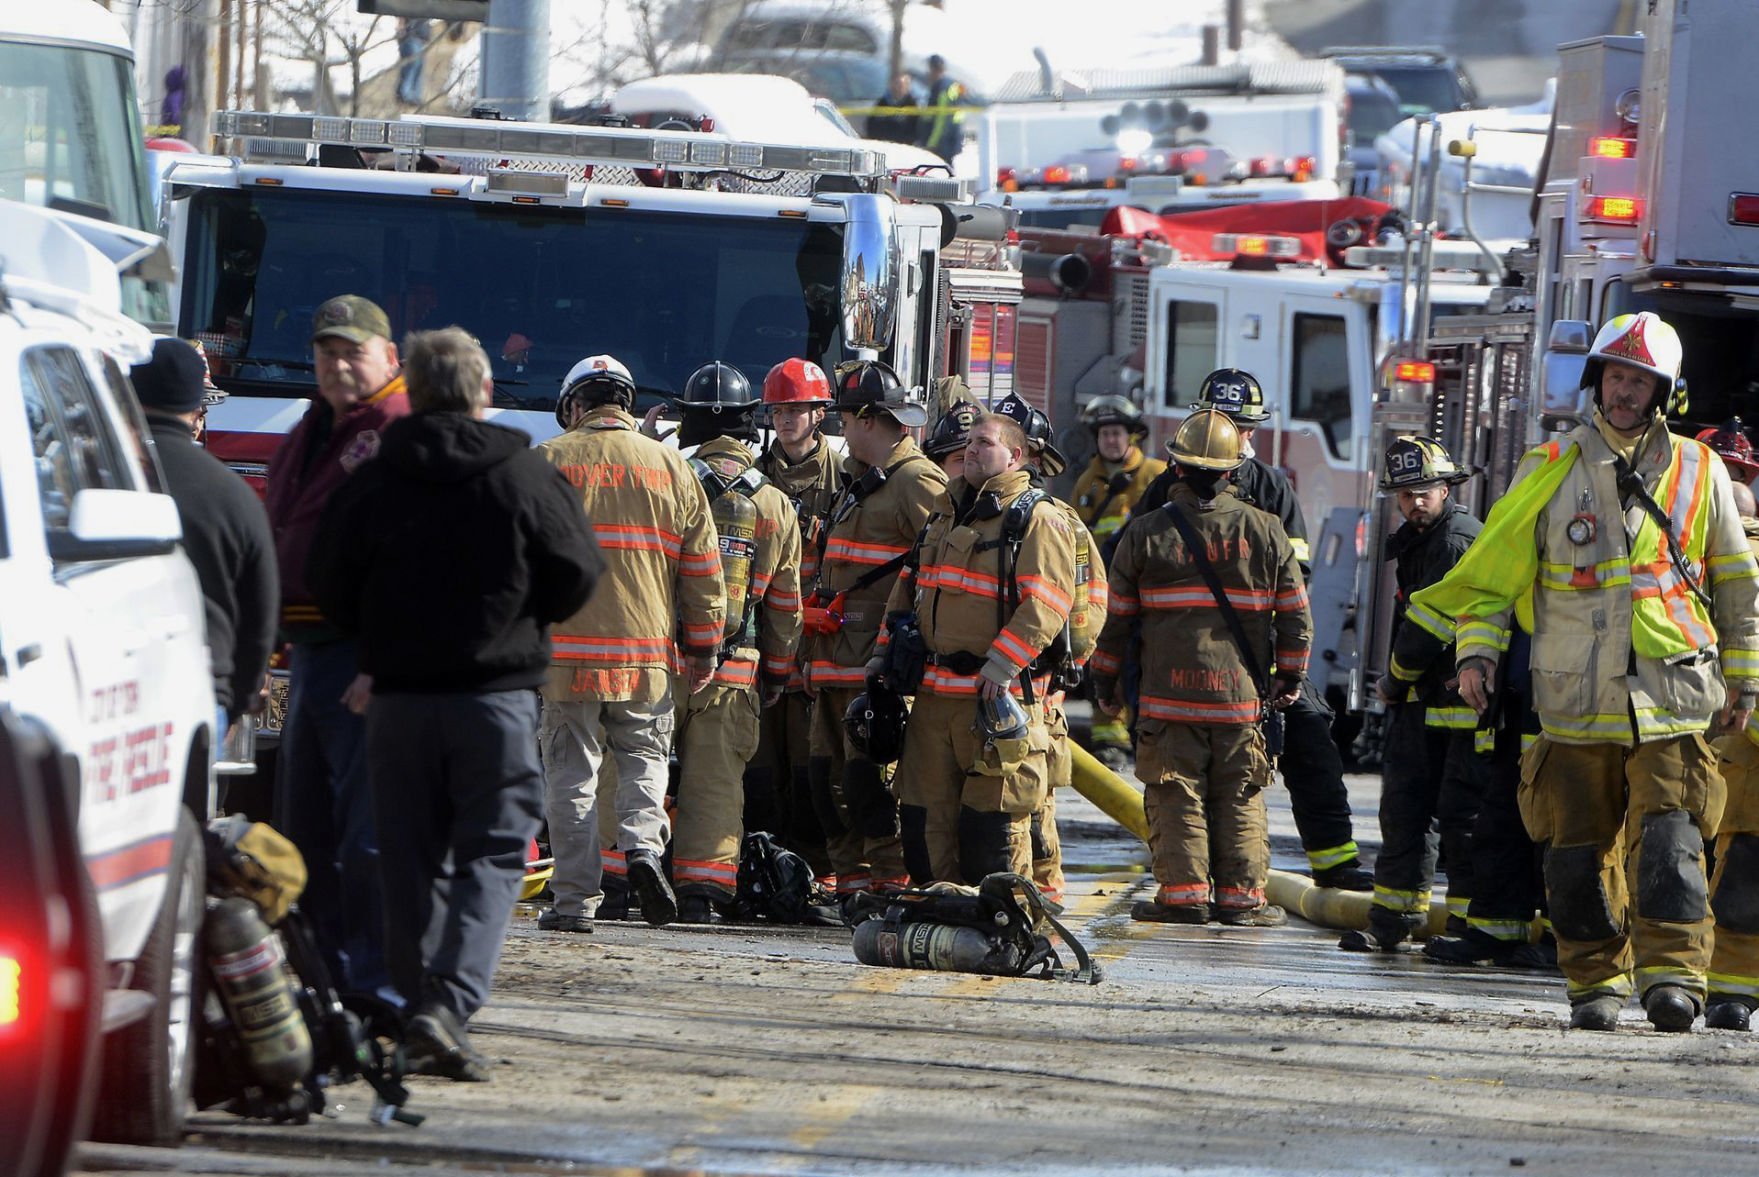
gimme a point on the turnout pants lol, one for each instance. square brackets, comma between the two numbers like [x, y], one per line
[1734, 889]
[854, 802]
[1047, 847]
[1623, 830]
[324, 804]
[1507, 885]
[778, 782]
[459, 795]
[575, 737]
[1431, 776]
[1204, 795]
[965, 806]
[717, 735]
[1313, 772]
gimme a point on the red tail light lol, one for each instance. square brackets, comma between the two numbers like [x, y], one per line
[1614, 210]
[11, 983]
[1415, 372]
[1608, 147]
[1743, 208]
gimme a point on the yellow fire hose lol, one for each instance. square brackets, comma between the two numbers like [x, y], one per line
[1325, 906]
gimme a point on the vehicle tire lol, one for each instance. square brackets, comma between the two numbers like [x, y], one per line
[143, 1092]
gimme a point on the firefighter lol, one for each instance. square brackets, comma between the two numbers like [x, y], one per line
[760, 565]
[610, 679]
[1643, 594]
[942, 127]
[1087, 612]
[1206, 686]
[1313, 771]
[799, 463]
[947, 440]
[873, 524]
[1734, 963]
[1432, 773]
[1108, 490]
[990, 590]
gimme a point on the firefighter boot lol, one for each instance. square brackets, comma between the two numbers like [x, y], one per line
[1345, 876]
[1150, 911]
[1598, 1012]
[1729, 1013]
[1265, 915]
[554, 921]
[1385, 932]
[615, 904]
[659, 906]
[1671, 1009]
[696, 907]
[438, 1045]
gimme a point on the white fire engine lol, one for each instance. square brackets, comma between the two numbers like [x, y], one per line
[665, 248]
[107, 715]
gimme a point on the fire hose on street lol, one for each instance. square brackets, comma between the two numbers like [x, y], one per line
[1325, 906]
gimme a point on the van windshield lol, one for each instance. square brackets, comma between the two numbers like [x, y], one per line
[540, 287]
[70, 140]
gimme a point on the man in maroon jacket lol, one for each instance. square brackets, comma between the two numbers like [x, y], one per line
[322, 798]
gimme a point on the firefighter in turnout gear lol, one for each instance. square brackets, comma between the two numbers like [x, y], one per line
[1623, 542]
[892, 487]
[1313, 771]
[1105, 495]
[1218, 592]
[946, 441]
[610, 682]
[799, 463]
[717, 731]
[990, 589]
[1433, 775]
[1734, 964]
[1087, 611]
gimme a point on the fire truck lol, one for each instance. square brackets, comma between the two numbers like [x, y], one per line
[1643, 204]
[548, 242]
[1065, 150]
[1321, 300]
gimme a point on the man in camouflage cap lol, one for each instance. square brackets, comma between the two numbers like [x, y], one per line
[322, 799]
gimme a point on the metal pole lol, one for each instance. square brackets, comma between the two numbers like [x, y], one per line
[516, 59]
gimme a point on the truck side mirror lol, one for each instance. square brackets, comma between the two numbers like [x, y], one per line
[117, 525]
[1566, 403]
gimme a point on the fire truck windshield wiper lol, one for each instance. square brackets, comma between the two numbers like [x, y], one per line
[508, 400]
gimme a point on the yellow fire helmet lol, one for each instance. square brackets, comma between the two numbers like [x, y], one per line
[1207, 440]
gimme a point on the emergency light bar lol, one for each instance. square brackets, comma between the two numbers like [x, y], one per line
[560, 143]
[1255, 245]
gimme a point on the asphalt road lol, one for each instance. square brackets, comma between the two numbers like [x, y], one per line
[1205, 1050]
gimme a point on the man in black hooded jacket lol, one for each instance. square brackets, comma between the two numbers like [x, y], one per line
[449, 557]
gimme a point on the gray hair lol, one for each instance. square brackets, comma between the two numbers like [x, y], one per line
[444, 371]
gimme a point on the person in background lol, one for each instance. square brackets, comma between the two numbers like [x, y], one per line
[895, 119]
[941, 128]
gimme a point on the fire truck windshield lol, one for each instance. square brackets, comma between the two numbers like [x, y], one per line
[541, 287]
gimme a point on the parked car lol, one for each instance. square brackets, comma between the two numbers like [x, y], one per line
[1427, 80]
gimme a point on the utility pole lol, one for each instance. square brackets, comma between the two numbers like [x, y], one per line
[516, 59]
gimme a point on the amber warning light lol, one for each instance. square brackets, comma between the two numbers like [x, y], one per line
[1611, 148]
[1415, 372]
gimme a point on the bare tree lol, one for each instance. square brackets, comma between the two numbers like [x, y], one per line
[330, 34]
